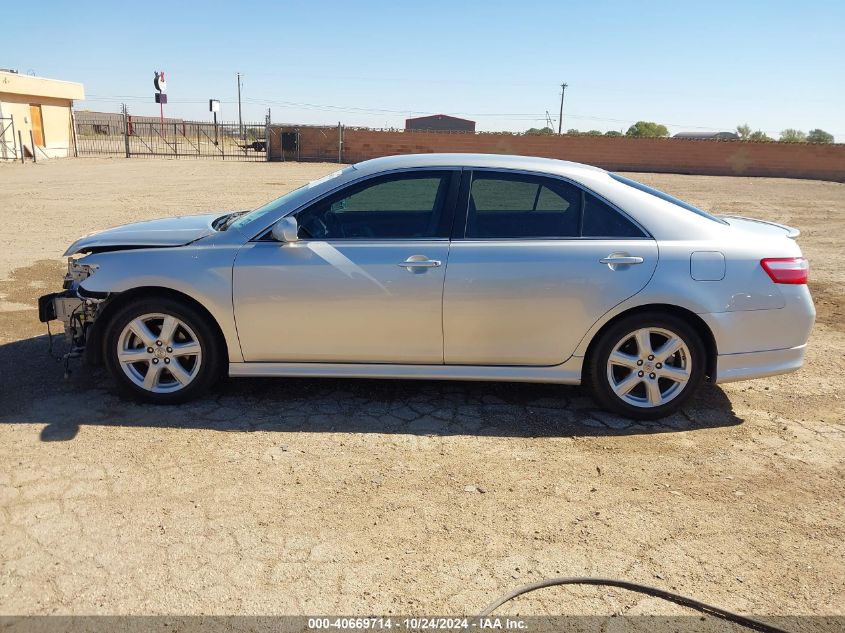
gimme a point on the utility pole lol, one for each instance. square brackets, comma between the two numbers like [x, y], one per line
[560, 120]
[240, 117]
[125, 129]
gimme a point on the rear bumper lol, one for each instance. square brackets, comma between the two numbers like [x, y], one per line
[741, 331]
[760, 343]
[732, 367]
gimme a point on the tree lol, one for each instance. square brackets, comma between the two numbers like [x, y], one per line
[593, 133]
[744, 131]
[647, 129]
[543, 131]
[819, 136]
[612, 133]
[793, 136]
[572, 132]
[759, 135]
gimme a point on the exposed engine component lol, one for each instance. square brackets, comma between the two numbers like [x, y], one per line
[72, 306]
[76, 273]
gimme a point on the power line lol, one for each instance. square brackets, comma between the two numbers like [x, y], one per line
[515, 116]
[535, 116]
[330, 107]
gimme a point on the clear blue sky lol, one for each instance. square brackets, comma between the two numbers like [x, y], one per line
[690, 65]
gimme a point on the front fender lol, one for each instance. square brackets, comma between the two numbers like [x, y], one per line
[203, 273]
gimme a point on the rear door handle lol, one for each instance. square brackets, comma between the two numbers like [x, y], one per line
[621, 259]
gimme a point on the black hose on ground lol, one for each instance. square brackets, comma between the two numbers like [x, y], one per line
[684, 601]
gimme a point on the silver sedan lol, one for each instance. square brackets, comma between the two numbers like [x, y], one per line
[452, 266]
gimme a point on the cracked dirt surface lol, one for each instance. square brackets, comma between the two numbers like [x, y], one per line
[327, 496]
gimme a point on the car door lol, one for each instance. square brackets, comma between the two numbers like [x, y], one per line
[364, 283]
[537, 261]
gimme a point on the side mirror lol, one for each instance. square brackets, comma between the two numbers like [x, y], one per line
[286, 230]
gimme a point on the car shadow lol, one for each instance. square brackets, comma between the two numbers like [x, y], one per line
[35, 392]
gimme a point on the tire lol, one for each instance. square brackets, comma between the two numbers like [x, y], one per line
[131, 351]
[643, 382]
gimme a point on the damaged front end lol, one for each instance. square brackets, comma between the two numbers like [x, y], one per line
[77, 308]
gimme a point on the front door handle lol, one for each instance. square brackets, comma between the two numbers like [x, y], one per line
[419, 261]
[621, 259]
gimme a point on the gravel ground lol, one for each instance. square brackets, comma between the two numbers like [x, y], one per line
[358, 497]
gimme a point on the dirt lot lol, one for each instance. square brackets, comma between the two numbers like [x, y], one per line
[326, 496]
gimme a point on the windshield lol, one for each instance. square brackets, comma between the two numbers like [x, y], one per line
[665, 196]
[290, 197]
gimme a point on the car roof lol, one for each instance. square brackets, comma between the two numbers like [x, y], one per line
[496, 161]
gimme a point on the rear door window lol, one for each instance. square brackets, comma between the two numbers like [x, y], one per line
[511, 205]
[602, 220]
[522, 206]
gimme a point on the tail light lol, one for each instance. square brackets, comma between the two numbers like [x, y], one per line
[786, 270]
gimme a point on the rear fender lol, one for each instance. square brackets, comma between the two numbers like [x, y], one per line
[744, 287]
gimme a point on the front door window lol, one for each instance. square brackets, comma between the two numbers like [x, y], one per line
[397, 206]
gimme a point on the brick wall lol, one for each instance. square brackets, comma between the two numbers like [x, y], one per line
[717, 158]
[315, 143]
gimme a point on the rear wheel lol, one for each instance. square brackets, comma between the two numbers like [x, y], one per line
[647, 366]
[161, 351]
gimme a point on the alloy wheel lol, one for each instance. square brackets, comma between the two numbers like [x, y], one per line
[159, 353]
[649, 367]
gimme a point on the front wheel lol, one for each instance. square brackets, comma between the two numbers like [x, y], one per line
[161, 351]
[646, 366]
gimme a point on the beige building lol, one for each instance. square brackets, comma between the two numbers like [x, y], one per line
[42, 106]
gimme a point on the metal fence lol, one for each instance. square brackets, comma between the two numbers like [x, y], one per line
[119, 135]
[8, 140]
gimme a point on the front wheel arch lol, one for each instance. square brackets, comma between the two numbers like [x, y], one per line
[701, 328]
[94, 344]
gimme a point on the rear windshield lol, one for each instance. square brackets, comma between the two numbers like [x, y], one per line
[665, 196]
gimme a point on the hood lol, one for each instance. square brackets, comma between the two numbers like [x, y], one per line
[760, 227]
[166, 232]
